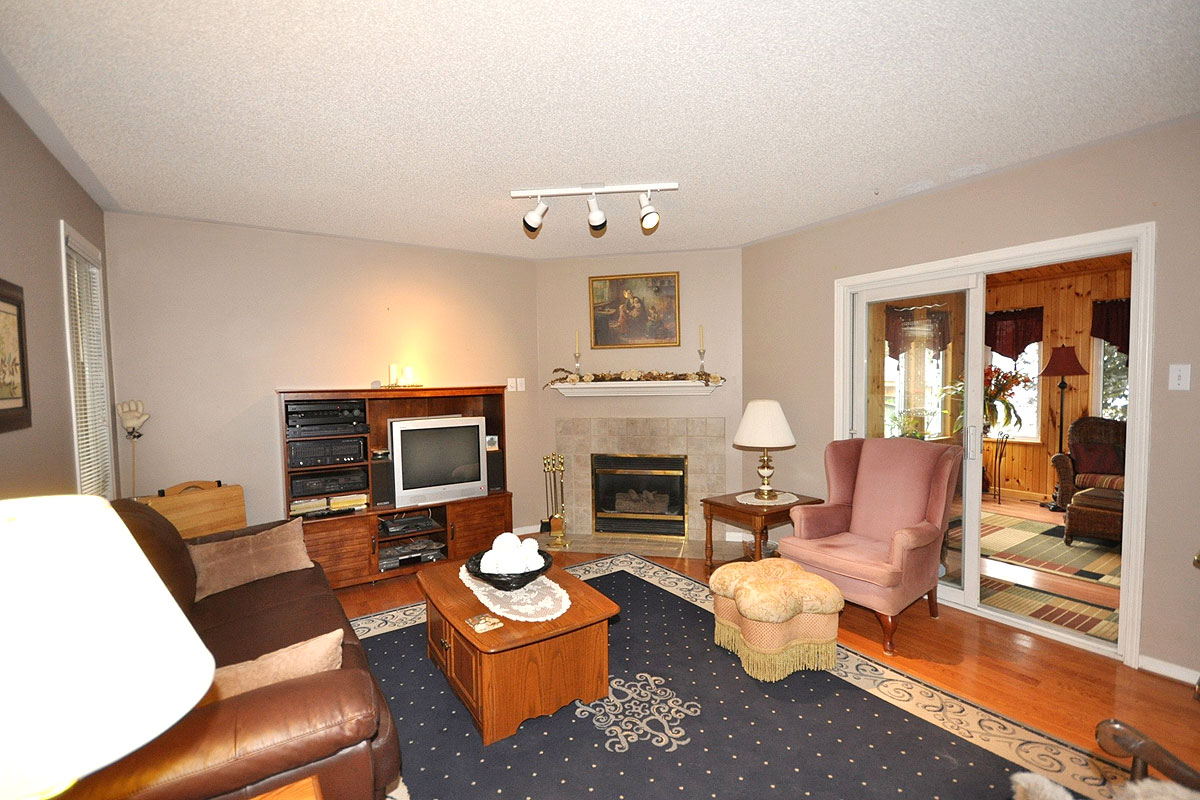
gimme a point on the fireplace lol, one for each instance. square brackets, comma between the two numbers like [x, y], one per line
[644, 494]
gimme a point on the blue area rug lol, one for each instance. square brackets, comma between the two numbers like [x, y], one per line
[683, 720]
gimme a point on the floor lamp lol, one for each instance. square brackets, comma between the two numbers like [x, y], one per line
[1062, 363]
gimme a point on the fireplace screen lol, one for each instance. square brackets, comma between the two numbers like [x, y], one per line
[639, 494]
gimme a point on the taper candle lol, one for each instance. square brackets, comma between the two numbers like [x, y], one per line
[577, 340]
[701, 337]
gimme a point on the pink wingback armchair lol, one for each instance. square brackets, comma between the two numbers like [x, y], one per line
[879, 536]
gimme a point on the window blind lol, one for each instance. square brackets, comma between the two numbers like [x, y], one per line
[87, 342]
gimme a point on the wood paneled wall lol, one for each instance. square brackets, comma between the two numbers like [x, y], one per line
[1066, 293]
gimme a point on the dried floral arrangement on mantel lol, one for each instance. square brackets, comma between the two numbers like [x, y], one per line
[567, 376]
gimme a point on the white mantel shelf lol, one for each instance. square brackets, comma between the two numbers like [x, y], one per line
[634, 388]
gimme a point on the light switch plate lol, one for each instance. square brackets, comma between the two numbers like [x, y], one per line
[512, 384]
[1179, 378]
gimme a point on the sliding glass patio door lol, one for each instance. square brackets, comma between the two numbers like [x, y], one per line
[917, 373]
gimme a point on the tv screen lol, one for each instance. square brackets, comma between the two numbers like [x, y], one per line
[438, 459]
[436, 456]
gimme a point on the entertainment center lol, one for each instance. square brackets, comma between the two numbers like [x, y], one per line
[341, 475]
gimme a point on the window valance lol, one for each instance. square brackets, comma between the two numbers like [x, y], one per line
[1010, 332]
[925, 325]
[1110, 322]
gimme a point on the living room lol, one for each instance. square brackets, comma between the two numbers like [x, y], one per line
[207, 318]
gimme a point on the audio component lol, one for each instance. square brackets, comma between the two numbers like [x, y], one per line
[344, 480]
[323, 452]
[306, 419]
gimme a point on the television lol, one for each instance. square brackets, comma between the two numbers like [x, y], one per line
[438, 459]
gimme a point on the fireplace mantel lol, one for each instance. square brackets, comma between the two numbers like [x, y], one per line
[634, 388]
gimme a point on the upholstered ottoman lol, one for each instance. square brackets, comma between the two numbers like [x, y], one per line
[1096, 513]
[777, 616]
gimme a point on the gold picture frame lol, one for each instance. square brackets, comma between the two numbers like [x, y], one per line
[638, 310]
[15, 410]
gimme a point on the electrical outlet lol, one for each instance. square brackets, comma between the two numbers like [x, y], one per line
[1179, 378]
[520, 384]
[512, 384]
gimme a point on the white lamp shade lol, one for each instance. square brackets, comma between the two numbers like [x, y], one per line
[100, 657]
[764, 427]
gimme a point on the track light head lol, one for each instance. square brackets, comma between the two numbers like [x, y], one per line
[533, 220]
[596, 219]
[648, 214]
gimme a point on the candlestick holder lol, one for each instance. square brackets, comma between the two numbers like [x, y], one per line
[702, 351]
[577, 370]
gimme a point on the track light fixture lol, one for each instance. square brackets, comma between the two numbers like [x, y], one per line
[533, 220]
[649, 214]
[597, 220]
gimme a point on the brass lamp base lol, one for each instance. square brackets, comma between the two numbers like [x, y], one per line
[765, 470]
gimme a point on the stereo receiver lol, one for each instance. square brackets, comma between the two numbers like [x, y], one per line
[323, 452]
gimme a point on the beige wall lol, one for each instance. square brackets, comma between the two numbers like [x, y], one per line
[710, 289]
[1153, 176]
[209, 320]
[35, 193]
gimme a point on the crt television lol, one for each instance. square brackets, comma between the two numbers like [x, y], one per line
[438, 459]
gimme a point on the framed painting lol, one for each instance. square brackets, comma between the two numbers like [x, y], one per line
[635, 310]
[14, 370]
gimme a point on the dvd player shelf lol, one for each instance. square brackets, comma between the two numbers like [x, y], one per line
[337, 476]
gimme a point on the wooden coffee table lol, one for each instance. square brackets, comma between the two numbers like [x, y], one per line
[755, 517]
[523, 669]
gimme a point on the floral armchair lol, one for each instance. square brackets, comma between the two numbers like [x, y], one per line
[1095, 457]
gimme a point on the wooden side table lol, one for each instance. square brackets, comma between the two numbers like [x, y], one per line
[755, 517]
[303, 789]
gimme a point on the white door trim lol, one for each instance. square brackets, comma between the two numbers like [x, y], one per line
[1138, 239]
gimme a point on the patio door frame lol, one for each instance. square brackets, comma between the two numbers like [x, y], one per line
[971, 284]
[1136, 239]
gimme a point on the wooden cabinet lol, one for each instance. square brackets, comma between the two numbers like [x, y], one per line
[337, 474]
[474, 523]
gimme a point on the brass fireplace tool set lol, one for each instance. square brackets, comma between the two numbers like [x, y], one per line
[553, 466]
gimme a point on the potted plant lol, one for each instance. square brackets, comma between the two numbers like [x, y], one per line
[999, 386]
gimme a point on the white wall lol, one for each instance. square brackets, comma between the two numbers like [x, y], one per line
[209, 320]
[35, 193]
[710, 289]
[1152, 176]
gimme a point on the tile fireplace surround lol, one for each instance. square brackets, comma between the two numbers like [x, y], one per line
[701, 439]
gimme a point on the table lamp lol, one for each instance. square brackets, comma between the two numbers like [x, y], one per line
[764, 427]
[102, 661]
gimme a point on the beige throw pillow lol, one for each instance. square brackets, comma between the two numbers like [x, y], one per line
[318, 654]
[232, 562]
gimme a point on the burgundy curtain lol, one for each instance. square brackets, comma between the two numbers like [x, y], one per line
[900, 323]
[1110, 322]
[1010, 332]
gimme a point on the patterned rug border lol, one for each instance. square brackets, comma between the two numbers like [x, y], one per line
[1069, 765]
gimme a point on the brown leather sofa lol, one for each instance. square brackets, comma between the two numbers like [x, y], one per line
[335, 725]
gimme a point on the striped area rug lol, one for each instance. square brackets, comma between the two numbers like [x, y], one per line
[1096, 621]
[1039, 545]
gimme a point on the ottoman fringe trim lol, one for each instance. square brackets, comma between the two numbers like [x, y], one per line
[775, 665]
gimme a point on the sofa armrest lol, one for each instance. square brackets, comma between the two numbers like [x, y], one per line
[236, 742]
[912, 538]
[819, 521]
[1065, 468]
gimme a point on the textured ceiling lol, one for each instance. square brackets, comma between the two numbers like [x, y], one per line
[411, 121]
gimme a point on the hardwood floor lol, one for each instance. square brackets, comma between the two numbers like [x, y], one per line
[1048, 685]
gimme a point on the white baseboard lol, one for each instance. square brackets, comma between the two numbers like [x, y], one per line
[527, 529]
[1169, 670]
[736, 536]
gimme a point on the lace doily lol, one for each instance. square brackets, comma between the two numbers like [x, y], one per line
[542, 599]
[784, 497]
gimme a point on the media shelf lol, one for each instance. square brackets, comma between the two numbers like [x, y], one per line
[331, 468]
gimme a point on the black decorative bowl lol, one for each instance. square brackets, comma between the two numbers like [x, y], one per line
[507, 582]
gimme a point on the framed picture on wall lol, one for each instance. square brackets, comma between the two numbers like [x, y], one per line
[14, 370]
[635, 310]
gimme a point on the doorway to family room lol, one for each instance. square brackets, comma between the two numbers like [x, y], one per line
[1045, 537]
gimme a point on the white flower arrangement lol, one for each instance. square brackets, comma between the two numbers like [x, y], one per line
[567, 376]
